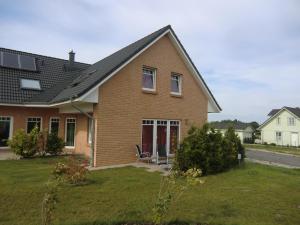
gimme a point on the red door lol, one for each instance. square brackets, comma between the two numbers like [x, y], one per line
[147, 139]
[162, 140]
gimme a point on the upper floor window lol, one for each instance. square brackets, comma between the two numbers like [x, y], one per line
[176, 84]
[33, 122]
[149, 79]
[278, 120]
[291, 121]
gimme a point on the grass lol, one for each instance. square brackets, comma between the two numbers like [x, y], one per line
[281, 149]
[253, 194]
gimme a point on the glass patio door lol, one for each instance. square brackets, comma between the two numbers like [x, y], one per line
[160, 137]
[161, 140]
[147, 136]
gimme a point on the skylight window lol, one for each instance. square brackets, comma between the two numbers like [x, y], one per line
[30, 84]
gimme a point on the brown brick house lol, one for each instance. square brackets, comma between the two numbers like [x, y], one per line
[148, 93]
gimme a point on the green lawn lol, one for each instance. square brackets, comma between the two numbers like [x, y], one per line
[253, 194]
[282, 149]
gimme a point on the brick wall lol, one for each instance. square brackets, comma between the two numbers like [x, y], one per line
[123, 104]
[20, 115]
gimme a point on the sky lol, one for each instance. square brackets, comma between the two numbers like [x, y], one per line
[248, 51]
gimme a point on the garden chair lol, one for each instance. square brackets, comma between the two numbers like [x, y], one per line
[143, 156]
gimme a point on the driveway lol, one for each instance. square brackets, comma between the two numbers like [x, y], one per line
[267, 157]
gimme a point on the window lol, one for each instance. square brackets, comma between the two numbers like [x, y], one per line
[33, 122]
[175, 84]
[90, 127]
[174, 136]
[278, 121]
[5, 130]
[278, 136]
[147, 136]
[30, 84]
[149, 79]
[160, 136]
[54, 125]
[291, 121]
[70, 132]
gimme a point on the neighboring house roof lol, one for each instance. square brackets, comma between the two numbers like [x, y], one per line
[275, 112]
[60, 86]
[51, 72]
[295, 111]
[237, 125]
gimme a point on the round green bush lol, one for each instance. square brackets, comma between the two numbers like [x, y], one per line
[208, 150]
[54, 144]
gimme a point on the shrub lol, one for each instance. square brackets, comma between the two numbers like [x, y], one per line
[23, 144]
[208, 150]
[171, 189]
[42, 137]
[72, 172]
[49, 202]
[232, 146]
[54, 145]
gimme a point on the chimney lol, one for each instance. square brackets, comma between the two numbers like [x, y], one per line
[71, 58]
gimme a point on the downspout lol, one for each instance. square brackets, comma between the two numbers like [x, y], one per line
[92, 148]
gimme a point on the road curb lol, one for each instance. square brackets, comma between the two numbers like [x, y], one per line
[271, 163]
[276, 153]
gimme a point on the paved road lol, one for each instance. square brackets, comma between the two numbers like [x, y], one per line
[275, 158]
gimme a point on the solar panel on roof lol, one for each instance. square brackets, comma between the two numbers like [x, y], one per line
[17, 61]
[27, 63]
[10, 60]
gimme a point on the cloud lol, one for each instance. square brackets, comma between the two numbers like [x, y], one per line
[247, 51]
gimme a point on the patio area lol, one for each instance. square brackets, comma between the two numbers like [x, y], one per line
[6, 154]
[150, 167]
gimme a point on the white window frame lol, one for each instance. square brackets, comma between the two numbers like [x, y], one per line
[155, 124]
[35, 117]
[154, 79]
[289, 119]
[50, 121]
[67, 146]
[11, 123]
[179, 83]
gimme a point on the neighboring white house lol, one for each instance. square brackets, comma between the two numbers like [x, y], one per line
[282, 128]
[242, 130]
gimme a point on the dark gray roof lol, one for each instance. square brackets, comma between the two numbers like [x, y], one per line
[101, 69]
[294, 110]
[225, 124]
[51, 72]
[60, 84]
